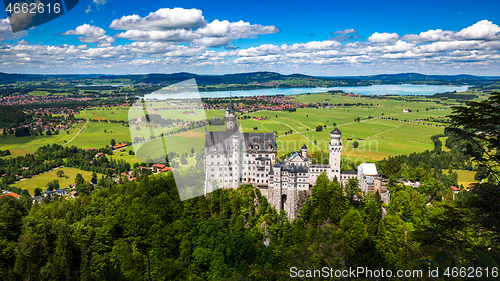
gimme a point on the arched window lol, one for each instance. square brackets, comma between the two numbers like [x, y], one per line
[283, 202]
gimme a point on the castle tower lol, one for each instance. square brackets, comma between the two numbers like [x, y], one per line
[231, 117]
[335, 150]
[304, 151]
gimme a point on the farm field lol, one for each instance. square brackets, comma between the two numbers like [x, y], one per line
[465, 177]
[19, 146]
[40, 181]
[177, 144]
[380, 137]
[121, 113]
[100, 134]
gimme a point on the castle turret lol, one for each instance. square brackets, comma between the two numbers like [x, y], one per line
[335, 149]
[304, 151]
[231, 117]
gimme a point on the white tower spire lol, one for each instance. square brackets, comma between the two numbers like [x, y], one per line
[335, 150]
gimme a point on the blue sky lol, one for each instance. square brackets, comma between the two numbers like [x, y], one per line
[327, 38]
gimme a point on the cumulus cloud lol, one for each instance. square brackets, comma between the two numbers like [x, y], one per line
[383, 37]
[214, 34]
[430, 36]
[475, 47]
[345, 31]
[91, 34]
[86, 30]
[6, 31]
[483, 30]
[163, 19]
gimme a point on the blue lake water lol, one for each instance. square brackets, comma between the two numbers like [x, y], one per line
[405, 90]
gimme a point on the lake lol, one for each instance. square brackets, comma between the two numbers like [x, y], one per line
[405, 90]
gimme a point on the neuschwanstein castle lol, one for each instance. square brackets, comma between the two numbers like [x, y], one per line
[233, 158]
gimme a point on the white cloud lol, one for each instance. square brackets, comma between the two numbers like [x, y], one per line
[174, 36]
[383, 37]
[6, 31]
[483, 30]
[430, 36]
[345, 31]
[86, 30]
[91, 34]
[163, 19]
[166, 51]
[100, 2]
[217, 33]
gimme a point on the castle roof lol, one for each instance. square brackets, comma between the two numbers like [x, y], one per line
[304, 147]
[230, 107]
[263, 140]
[336, 131]
[294, 168]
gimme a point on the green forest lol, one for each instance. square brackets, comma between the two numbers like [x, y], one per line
[142, 230]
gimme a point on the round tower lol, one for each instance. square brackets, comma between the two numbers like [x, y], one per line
[335, 151]
[231, 117]
[304, 151]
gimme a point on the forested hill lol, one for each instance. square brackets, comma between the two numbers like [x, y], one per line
[272, 79]
[10, 117]
[417, 77]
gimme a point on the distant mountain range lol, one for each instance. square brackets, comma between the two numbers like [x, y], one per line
[252, 77]
[423, 77]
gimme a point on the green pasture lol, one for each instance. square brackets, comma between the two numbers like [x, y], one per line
[123, 113]
[109, 113]
[465, 177]
[19, 146]
[381, 138]
[40, 181]
[99, 134]
[179, 145]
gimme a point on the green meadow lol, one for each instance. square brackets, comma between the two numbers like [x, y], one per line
[19, 146]
[100, 134]
[465, 177]
[40, 181]
[380, 138]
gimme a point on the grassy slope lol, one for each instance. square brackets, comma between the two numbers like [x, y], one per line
[19, 146]
[386, 137]
[41, 180]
